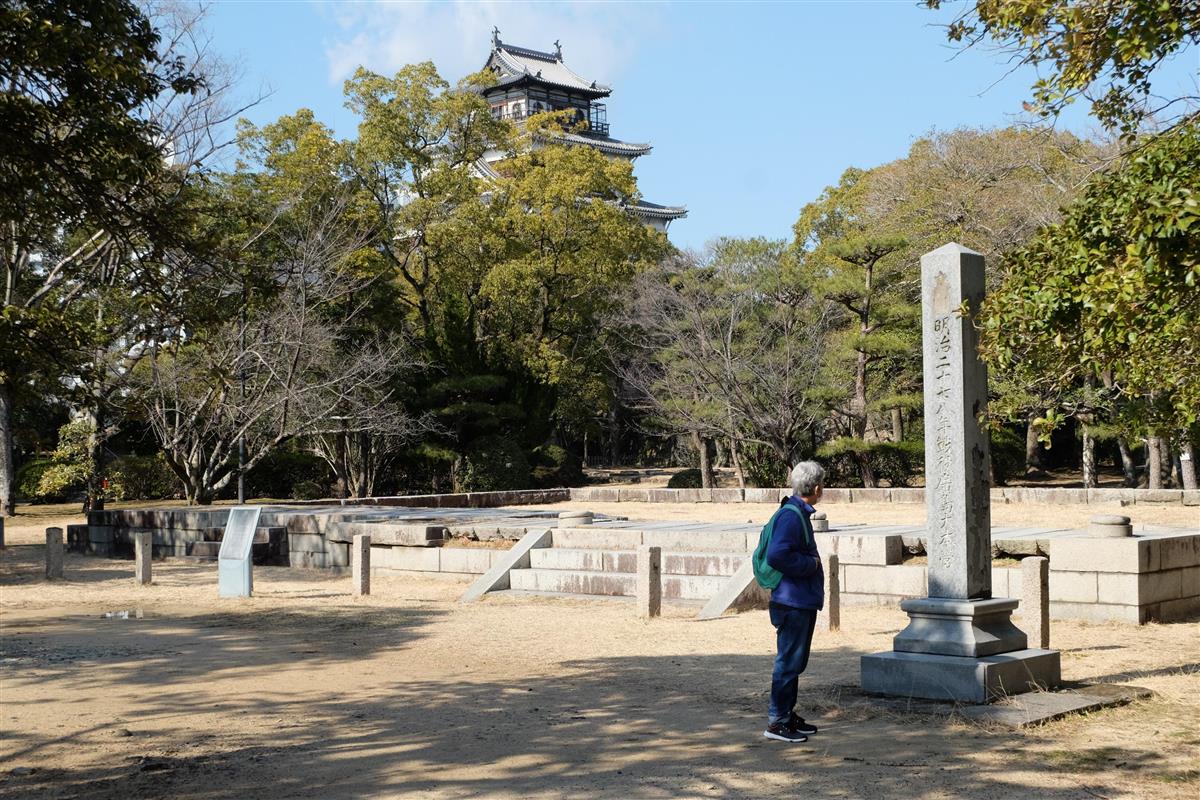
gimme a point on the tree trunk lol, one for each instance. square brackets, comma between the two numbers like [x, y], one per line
[8, 472]
[865, 471]
[737, 463]
[1033, 448]
[706, 475]
[1154, 463]
[1088, 458]
[897, 425]
[614, 437]
[858, 406]
[1128, 467]
[93, 499]
[340, 470]
[1187, 464]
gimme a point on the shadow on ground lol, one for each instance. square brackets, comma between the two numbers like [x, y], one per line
[647, 727]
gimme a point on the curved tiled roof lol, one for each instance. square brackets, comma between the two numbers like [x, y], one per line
[606, 145]
[644, 208]
[515, 63]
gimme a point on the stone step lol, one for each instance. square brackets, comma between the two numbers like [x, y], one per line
[616, 598]
[681, 538]
[626, 561]
[586, 582]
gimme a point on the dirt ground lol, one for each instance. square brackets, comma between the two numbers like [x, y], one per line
[306, 691]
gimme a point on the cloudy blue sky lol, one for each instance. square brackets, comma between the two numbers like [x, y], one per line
[752, 108]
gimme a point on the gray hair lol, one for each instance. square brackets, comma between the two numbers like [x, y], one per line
[806, 477]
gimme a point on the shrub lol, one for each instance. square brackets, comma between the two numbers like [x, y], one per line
[762, 467]
[492, 464]
[308, 490]
[898, 462]
[555, 466]
[29, 480]
[278, 474]
[1008, 455]
[686, 479]
[141, 478]
[893, 462]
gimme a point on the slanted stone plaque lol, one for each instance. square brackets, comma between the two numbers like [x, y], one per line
[234, 570]
[960, 643]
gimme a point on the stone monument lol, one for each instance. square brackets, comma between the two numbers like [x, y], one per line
[54, 553]
[234, 570]
[360, 563]
[960, 643]
[143, 551]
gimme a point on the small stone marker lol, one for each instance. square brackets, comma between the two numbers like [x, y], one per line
[1, 532]
[830, 617]
[1035, 600]
[1109, 526]
[573, 519]
[142, 551]
[820, 523]
[234, 576]
[360, 563]
[649, 581]
[54, 553]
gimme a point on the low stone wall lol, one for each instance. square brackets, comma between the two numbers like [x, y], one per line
[518, 497]
[1018, 494]
[1132, 579]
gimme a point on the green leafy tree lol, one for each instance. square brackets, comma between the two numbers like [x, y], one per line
[1105, 52]
[504, 273]
[84, 181]
[991, 190]
[1112, 293]
[849, 258]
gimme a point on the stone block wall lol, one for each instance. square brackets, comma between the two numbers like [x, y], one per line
[1133, 579]
[1000, 495]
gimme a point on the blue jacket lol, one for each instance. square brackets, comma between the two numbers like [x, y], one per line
[794, 553]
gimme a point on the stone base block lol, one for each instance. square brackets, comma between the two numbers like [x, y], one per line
[963, 680]
[960, 628]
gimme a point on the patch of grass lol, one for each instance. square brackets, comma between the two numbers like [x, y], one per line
[1182, 776]
[1082, 760]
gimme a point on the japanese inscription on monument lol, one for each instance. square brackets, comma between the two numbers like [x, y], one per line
[958, 511]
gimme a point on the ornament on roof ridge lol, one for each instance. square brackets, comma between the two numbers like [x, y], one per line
[557, 50]
[495, 36]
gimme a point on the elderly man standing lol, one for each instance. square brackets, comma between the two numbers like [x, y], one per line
[796, 600]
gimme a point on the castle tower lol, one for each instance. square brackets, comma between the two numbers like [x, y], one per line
[531, 82]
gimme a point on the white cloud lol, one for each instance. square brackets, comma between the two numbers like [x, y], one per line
[599, 40]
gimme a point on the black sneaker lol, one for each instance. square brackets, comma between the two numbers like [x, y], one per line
[784, 733]
[798, 724]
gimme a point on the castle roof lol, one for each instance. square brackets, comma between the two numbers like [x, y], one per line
[514, 64]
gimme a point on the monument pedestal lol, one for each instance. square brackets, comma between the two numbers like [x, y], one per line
[967, 628]
[964, 680]
[963, 650]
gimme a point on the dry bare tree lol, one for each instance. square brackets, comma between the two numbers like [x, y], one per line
[725, 347]
[293, 365]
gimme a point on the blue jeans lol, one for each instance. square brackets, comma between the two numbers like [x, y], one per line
[793, 640]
